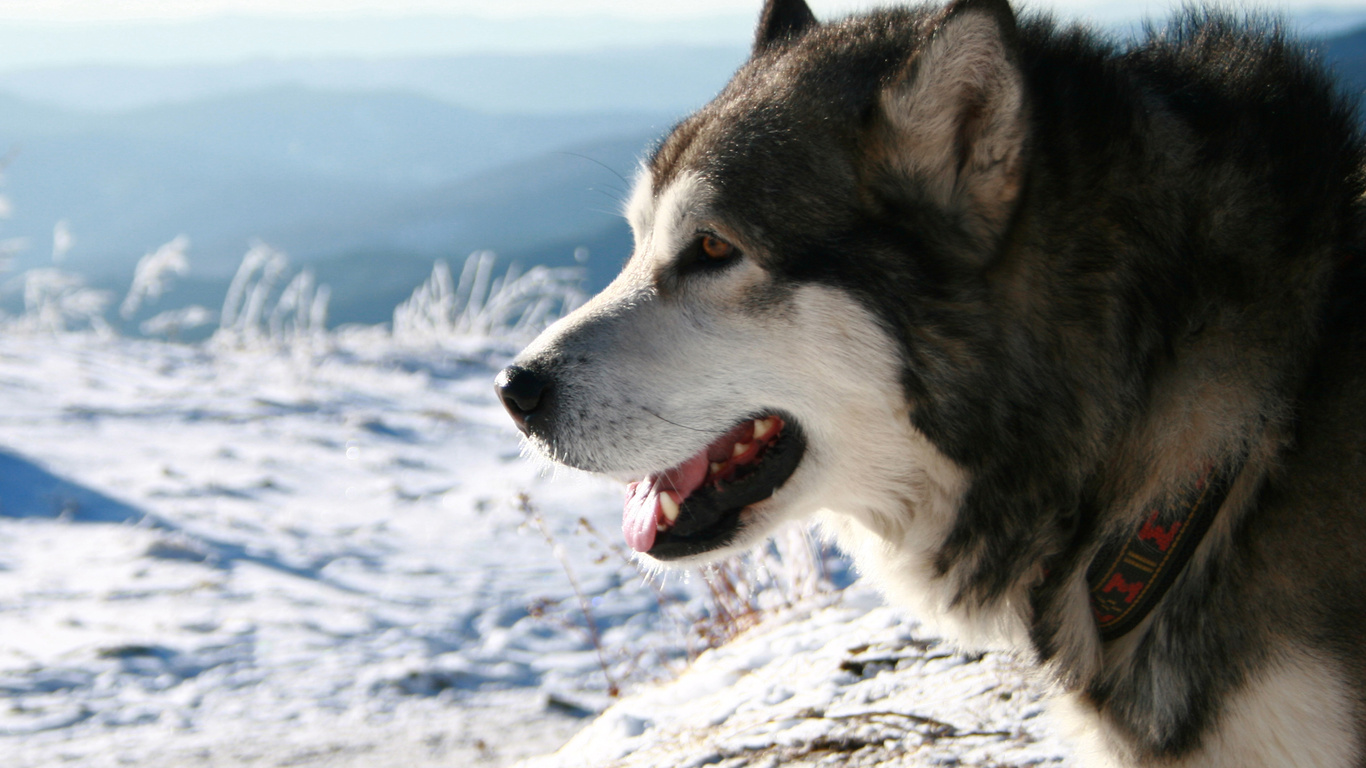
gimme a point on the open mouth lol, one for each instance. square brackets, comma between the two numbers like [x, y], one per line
[696, 506]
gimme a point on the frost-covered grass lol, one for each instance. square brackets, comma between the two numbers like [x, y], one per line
[516, 305]
[153, 275]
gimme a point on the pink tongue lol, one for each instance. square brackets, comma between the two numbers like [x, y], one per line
[640, 521]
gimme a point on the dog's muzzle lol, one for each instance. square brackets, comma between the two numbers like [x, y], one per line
[696, 503]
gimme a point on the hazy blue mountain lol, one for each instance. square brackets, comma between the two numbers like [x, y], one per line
[234, 38]
[538, 211]
[1327, 22]
[366, 186]
[1347, 54]
[663, 79]
[316, 173]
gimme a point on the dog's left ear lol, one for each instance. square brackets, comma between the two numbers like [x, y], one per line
[782, 20]
[955, 121]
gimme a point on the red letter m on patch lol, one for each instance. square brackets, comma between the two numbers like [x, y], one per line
[1162, 538]
[1118, 584]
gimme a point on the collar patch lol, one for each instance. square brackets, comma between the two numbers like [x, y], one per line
[1130, 576]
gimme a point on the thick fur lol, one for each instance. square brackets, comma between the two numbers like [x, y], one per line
[1019, 286]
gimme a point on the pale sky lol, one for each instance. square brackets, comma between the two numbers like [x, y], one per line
[48, 33]
[125, 10]
[85, 10]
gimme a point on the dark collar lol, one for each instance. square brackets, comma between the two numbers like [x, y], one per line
[1130, 575]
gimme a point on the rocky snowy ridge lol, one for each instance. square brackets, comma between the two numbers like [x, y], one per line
[847, 683]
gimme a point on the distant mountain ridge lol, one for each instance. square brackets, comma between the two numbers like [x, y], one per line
[366, 186]
[1346, 53]
[330, 159]
[170, 42]
[661, 79]
[317, 173]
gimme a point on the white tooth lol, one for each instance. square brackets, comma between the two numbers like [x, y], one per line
[670, 507]
[762, 427]
[716, 467]
[740, 449]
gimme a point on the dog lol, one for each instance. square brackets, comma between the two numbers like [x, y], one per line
[1061, 339]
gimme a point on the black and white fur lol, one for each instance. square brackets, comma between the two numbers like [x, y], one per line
[1019, 285]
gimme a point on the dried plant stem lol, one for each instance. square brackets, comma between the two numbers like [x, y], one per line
[534, 517]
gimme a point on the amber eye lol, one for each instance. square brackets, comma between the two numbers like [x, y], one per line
[716, 248]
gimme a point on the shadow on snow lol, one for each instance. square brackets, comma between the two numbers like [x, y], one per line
[29, 491]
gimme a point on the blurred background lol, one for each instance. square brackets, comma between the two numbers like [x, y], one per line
[365, 139]
[259, 262]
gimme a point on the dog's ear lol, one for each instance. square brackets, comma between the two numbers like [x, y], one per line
[782, 20]
[954, 123]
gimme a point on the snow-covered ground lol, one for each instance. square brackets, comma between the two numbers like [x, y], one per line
[848, 683]
[212, 556]
[232, 557]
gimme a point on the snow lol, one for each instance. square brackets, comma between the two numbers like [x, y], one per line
[207, 556]
[847, 683]
[336, 555]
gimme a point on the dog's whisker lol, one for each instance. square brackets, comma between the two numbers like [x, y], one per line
[683, 426]
[600, 163]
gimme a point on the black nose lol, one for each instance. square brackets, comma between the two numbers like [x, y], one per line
[522, 392]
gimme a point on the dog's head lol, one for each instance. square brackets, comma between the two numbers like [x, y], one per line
[755, 361]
